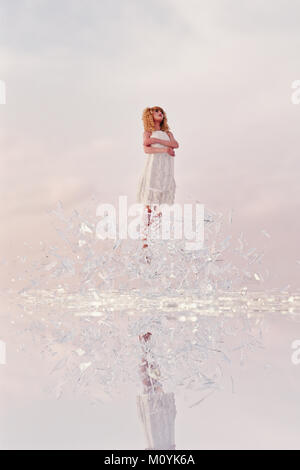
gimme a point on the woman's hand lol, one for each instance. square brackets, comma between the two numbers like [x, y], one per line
[173, 142]
[171, 152]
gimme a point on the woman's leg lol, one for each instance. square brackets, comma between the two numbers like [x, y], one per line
[156, 218]
[149, 382]
[147, 224]
[153, 217]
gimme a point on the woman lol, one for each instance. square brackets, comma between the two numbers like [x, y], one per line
[157, 184]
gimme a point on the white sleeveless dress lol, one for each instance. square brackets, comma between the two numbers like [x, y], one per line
[157, 184]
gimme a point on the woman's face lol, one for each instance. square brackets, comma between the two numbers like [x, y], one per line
[157, 114]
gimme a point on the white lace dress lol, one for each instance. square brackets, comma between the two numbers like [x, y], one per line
[156, 183]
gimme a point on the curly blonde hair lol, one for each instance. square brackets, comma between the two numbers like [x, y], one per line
[149, 121]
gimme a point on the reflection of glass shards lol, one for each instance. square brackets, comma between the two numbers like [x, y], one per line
[92, 338]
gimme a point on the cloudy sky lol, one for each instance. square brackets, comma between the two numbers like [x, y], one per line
[79, 73]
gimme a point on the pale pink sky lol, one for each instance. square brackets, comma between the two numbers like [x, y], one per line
[79, 74]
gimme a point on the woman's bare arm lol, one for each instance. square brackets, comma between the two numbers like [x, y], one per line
[174, 142]
[146, 138]
[154, 140]
[148, 141]
[149, 149]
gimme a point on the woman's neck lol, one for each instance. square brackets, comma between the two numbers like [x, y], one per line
[157, 127]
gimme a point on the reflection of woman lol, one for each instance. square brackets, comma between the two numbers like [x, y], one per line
[157, 184]
[156, 409]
